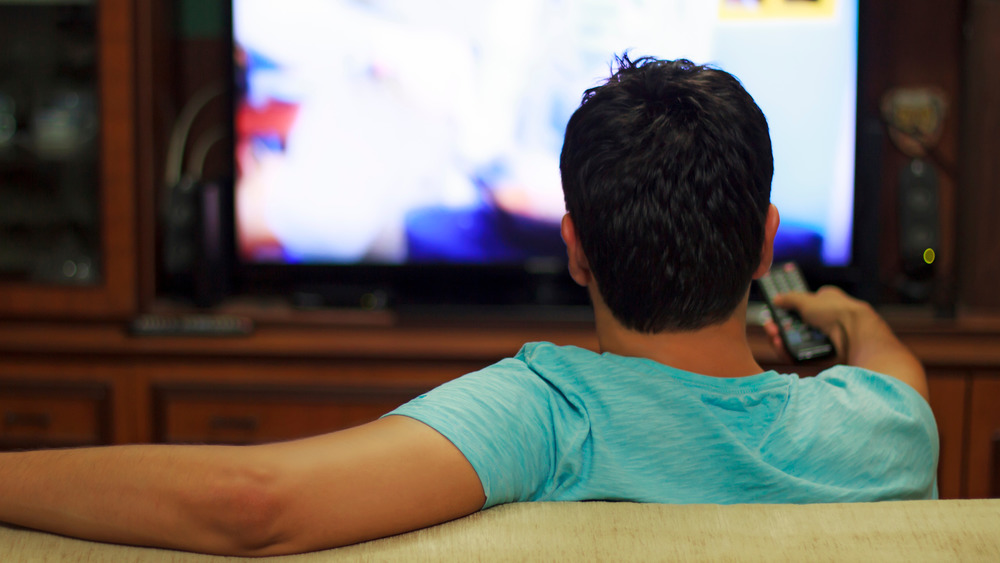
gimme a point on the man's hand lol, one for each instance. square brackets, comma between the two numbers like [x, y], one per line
[860, 335]
[824, 310]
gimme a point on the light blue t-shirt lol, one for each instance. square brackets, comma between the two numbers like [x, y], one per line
[566, 424]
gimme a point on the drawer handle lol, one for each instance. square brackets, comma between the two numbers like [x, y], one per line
[36, 420]
[240, 423]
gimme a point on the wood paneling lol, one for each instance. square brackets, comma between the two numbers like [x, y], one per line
[984, 431]
[948, 393]
[979, 230]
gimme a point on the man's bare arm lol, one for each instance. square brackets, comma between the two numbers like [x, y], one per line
[860, 335]
[383, 478]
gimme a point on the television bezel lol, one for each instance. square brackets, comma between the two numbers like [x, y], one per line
[521, 289]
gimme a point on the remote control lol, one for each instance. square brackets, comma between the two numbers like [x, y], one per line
[803, 342]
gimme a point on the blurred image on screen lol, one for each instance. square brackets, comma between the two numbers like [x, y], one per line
[398, 132]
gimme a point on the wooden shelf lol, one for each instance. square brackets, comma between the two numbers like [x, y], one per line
[938, 343]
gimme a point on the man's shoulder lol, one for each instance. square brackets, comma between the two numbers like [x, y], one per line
[853, 377]
[869, 424]
[851, 387]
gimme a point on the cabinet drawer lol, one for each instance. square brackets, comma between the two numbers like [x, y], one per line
[53, 414]
[257, 414]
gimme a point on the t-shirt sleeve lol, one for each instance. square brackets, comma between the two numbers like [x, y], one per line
[500, 420]
[887, 432]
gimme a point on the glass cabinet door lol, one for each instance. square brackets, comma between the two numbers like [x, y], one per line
[66, 158]
[48, 143]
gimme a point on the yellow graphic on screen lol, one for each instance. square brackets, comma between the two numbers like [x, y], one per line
[776, 9]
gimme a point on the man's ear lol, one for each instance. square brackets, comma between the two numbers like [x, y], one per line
[579, 268]
[767, 252]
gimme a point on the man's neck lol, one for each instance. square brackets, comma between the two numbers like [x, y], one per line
[720, 350]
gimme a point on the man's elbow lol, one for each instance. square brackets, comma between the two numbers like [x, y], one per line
[242, 513]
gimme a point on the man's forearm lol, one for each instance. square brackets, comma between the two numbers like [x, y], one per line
[871, 344]
[862, 337]
[164, 496]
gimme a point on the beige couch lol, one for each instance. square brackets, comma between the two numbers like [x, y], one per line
[953, 530]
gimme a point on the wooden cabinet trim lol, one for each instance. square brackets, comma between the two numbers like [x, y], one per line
[949, 400]
[983, 428]
[950, 346]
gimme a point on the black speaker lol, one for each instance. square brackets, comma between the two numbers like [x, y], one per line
[918, 229]
[196, 241]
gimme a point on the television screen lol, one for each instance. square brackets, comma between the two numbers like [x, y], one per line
[394, 132]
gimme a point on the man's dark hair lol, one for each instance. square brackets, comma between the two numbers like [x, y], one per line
[666, 170]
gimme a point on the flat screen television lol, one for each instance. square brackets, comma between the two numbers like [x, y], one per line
[413, 147]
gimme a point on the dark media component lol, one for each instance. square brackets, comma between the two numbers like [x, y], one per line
[194, 242]
[918, 229]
